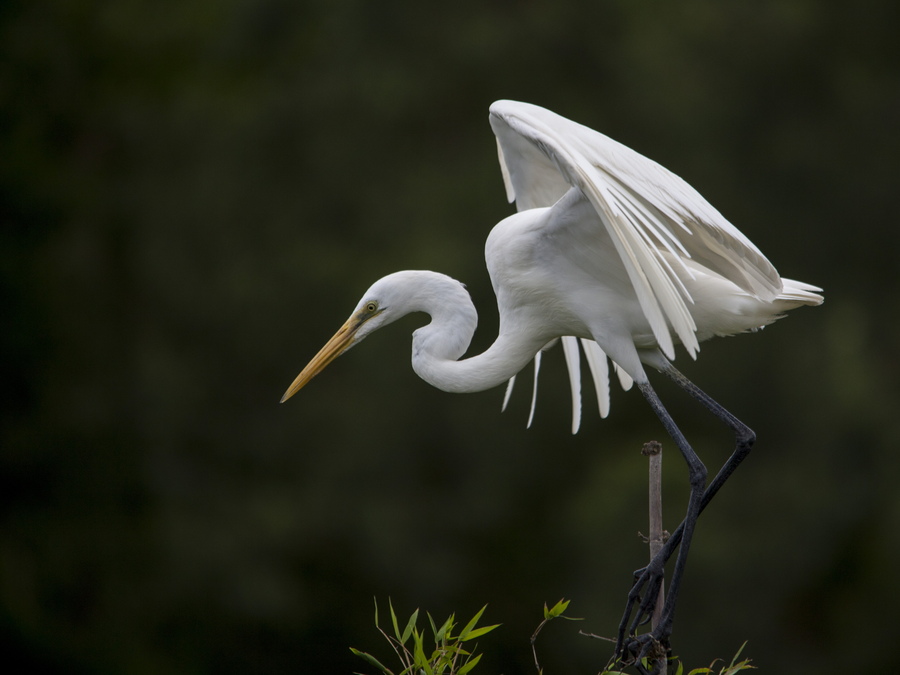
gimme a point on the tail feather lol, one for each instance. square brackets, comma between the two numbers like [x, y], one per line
[798, 293]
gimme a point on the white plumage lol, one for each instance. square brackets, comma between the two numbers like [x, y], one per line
[608, 249]
[607, 246]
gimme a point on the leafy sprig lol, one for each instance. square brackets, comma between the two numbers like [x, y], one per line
[448, 656]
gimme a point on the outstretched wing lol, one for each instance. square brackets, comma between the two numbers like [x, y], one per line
[647, 211]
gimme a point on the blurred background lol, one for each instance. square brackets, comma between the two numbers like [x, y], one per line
[194, 195]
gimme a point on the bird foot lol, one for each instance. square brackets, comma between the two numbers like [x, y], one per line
[642, 599]
[645, 652]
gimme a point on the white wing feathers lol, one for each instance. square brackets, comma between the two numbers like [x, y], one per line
[600, 372]
[599, 367]
[573, 361]
[646, 210]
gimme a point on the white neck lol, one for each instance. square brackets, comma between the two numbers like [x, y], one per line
[496, 365]
[438, 345]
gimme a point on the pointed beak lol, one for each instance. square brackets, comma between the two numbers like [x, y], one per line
[337, 345]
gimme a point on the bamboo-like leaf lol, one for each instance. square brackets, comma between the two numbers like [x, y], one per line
[394, 619]
[419, 657]
[409, 627]
[444, 632]
[469, 626]
[738, 653]
[557, 609]
[737, 667]
[468, 665]
[418, 650]
[477, 632]
[371, 660]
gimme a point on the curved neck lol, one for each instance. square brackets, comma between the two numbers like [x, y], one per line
[438, 345]
[501, 361]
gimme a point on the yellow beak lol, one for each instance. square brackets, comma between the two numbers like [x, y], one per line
[338, 344]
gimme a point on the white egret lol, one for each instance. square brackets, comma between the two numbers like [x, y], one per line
[607, 247]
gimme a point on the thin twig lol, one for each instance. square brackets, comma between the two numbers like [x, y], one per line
[537, 631]
[653, 450]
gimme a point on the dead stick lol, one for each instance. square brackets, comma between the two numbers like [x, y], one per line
[653, 450]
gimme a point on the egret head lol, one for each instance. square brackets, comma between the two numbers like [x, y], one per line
[387, 300]
[370, 314]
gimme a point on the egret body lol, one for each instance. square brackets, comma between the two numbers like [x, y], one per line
[608, 249]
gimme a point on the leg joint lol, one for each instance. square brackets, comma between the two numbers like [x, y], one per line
[698, 475]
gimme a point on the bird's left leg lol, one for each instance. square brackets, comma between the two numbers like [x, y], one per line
[652, 575]
[743, 435]
[744, 440]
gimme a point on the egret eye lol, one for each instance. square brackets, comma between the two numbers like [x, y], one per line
[371, 307]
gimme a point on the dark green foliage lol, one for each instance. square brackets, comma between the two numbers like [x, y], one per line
[450, 655]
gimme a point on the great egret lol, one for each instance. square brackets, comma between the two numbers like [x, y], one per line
[607, 247]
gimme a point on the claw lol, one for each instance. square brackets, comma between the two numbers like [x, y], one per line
[642, 597]
[647, 646]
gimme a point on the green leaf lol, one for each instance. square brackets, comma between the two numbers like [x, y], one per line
[468, 665]
[409, 627]
[557, 609]
[371, 660]
[469, 626]
[394, 620]
[737, 667]
[477, 632]
[443, 632]
[738, 654]
[419, 657]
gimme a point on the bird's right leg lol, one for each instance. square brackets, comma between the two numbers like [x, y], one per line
[650, 575]
[633, 648]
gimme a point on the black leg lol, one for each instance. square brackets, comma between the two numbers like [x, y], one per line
[650, 578]
[652, 575]
[743, 435]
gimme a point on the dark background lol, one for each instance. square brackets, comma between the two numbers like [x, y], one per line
[195, 193]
